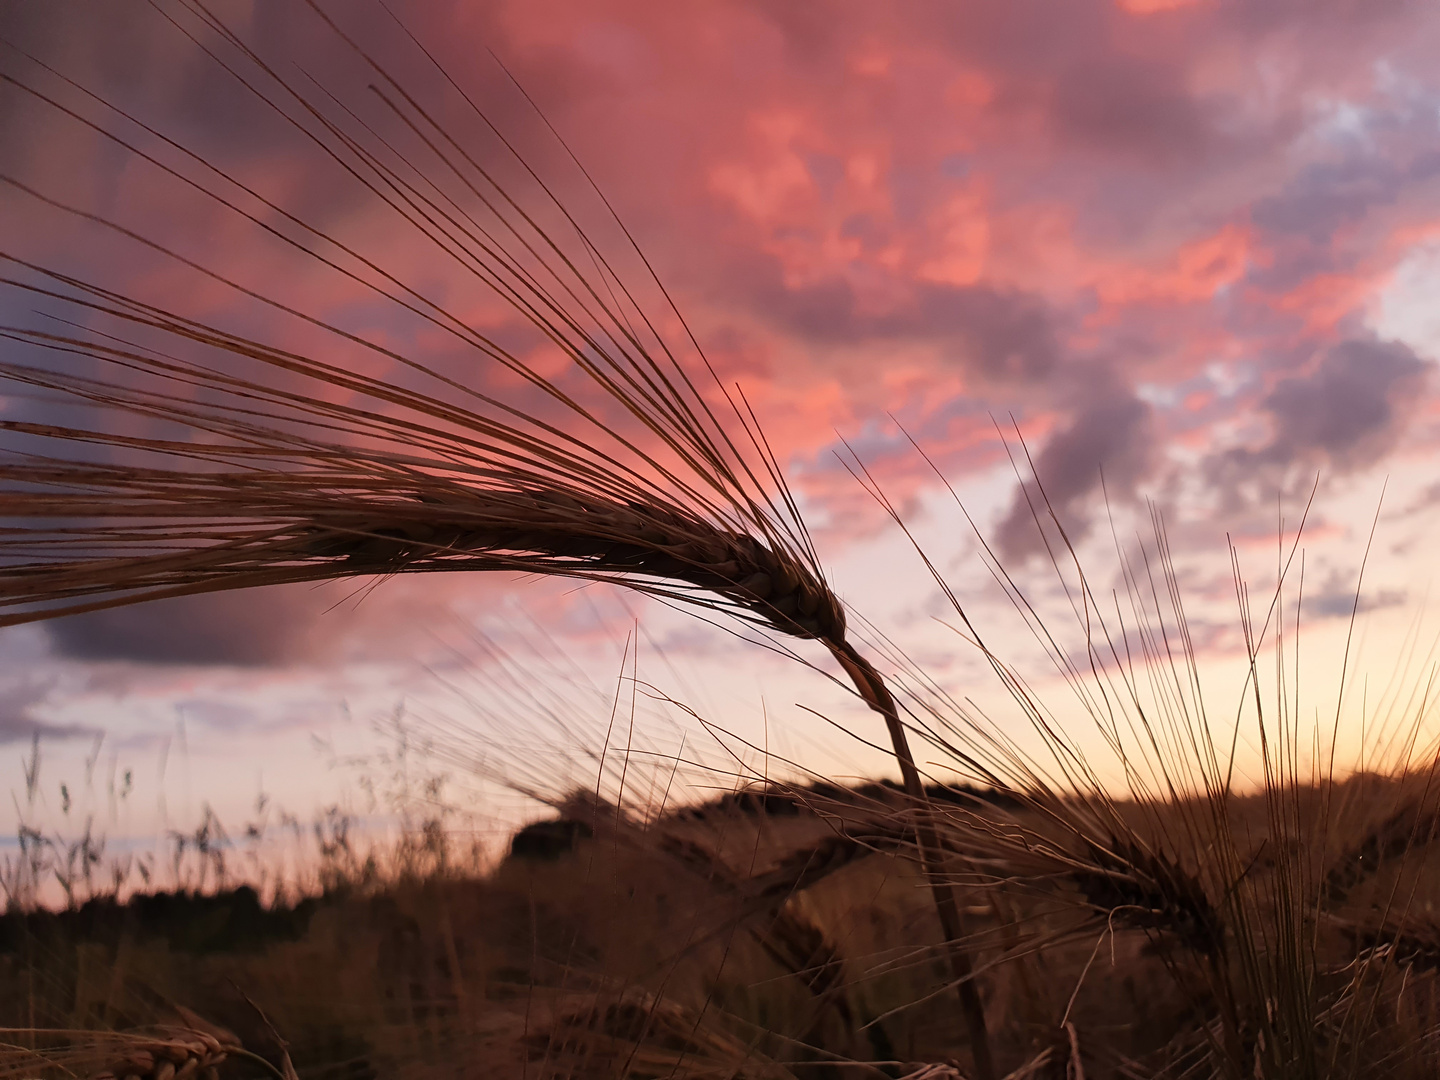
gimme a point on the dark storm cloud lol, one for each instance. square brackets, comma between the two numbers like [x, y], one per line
[1109, 438]
[251, 628]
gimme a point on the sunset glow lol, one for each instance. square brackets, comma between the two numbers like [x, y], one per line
[1183, 254]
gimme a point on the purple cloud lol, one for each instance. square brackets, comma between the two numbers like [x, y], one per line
[1351, 409]
[18, 722]
[1110, 438]
[1343, 415]
[256, 628]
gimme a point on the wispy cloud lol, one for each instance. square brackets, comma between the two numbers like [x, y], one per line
[20, 721]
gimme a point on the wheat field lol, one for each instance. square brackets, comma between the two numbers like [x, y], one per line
[781, 932]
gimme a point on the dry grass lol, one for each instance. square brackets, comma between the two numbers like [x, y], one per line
[800, 942]
[187, 1047]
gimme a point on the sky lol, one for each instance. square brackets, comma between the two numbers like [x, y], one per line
[1166, 260]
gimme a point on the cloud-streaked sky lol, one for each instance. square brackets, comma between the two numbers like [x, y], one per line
[1188, 250]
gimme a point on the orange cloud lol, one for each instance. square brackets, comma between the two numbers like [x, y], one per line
[1193, 273]
[1152, 7]
[962, 228]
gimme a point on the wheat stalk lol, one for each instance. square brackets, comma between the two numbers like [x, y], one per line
[192, 1048]
[791, 939]
[287, 466]
[183, 533]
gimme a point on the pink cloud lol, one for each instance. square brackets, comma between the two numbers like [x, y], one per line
[1151, 7]
[1072, 214]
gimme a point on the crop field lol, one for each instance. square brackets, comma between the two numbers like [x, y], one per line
[775, 933]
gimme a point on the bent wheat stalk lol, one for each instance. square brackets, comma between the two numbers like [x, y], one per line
[212, 460]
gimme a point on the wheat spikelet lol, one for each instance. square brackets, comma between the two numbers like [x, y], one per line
[218, 460]
[786, 935]
[317, 531]
[190, 1049]
[1408, 941]
[1146, 889]
[1412, 825]
[335, 512]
